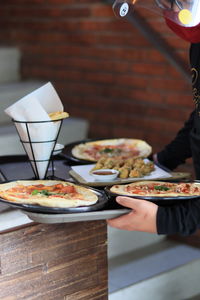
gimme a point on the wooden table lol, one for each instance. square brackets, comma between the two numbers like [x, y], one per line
[58, 261]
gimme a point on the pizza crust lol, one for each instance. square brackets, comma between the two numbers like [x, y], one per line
[143, 148]
[89, 197]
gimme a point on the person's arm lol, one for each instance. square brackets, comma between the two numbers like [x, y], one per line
[183, 219]
[175, 153]
[142, 216]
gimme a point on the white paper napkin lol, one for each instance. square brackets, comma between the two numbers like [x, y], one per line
[35, 107]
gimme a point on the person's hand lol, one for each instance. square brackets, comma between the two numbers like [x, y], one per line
[141, 218]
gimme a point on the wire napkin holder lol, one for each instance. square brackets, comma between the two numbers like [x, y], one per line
[29, 144]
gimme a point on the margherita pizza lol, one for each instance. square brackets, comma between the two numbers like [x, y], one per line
[157, 189]
[49, 193]
[121, 148]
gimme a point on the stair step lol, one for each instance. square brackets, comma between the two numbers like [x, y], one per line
[10, 64]
[121, 242]
[171, 273]
[11, 92]
[72, 130]
[181, 283]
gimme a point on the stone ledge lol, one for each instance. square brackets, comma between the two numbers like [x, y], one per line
[10, 64]
[13, 91]
[73, 129]
[11, 219]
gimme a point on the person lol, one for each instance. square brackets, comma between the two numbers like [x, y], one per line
[183, 18]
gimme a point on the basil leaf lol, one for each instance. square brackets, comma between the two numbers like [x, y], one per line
[35, 192]
[43, 192]
[106, 150]
[161, 188]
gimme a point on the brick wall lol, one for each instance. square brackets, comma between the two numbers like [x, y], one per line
[103, 68]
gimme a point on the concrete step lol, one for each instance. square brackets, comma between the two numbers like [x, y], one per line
[121, 242]
[11, 92]
[10, 64]
[181, 283]
[160, 271]
[72, 130]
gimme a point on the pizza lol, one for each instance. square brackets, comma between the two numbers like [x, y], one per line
[157, 189]
[51, 193]
[122, 148]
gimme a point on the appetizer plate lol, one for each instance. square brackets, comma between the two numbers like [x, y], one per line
[82, 174]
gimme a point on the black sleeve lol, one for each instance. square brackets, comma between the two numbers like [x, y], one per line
[179, 149]
[183, 219]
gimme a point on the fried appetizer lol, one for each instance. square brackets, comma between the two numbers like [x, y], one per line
[131, 167]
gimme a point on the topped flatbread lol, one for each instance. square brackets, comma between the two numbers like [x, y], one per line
[157, 189]
[50, 193]
[119, 148]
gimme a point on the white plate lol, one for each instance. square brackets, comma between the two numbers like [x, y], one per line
[58, 149]
[83, 172]
[76, 217]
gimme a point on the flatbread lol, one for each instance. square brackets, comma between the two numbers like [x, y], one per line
[58, 115]
[50, 193]
[157, 189]
[122, 148]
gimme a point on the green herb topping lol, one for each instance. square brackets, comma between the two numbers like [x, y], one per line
[106, 150]
[43, 192]
[161, 188]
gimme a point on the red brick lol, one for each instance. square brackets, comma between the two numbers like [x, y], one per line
[101, 66]
[102, 11]
[88, 2]
[118, 56]
[168, 84]
[181, 99]
[37, 13]
[23, 2]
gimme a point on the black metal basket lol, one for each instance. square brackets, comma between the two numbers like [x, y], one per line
[30, 143]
